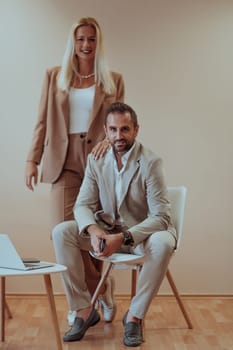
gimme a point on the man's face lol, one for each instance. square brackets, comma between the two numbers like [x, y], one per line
[121, 131]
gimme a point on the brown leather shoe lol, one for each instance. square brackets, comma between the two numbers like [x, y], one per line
[132, 332]
[80, 327]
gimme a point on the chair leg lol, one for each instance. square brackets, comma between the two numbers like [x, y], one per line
[3, 284]
[177, 296]
[134, 277]
[133, 282]
[101, 283]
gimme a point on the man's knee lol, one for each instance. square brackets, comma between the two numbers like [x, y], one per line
[163, 242]
[64, 228]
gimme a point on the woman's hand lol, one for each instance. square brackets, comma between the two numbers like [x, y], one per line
[101, 149]
[31, 175]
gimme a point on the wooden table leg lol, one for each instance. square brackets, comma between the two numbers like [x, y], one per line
[8, 311]
[3, 282]
[49, 289]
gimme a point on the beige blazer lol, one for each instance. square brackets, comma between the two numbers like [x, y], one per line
[144, 206]
[50, 137]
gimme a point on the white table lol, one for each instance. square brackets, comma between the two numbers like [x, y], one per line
[46, 272]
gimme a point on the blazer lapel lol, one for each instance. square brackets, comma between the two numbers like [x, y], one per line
[109, 184]
[98, 100]
[132, 167]
[63, 98]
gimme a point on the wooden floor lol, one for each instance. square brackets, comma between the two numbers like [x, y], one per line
[165, 329]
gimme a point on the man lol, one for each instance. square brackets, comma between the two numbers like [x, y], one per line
[125, 188]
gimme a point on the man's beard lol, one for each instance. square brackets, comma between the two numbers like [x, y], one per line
[124, 148]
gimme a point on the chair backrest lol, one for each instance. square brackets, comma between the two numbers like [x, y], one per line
[177, 197]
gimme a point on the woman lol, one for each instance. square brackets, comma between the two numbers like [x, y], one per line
[70, 123]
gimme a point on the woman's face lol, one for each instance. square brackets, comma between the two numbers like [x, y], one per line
[85, 43]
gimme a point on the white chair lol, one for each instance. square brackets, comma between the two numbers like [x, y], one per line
[177, 197]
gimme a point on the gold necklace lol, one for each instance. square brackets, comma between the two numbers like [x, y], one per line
[86, 76]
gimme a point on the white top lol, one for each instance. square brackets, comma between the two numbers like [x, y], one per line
[81, 102]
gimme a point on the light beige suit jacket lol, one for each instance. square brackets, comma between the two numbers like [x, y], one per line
[144, 206]
[50, 137]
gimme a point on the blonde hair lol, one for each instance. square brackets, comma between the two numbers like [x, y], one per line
[70, 64]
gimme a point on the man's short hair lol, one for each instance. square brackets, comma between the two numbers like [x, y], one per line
[121, 107]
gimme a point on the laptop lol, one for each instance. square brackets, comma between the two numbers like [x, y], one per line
[10, 259]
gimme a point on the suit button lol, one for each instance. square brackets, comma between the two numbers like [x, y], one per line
[82, 136]
[89, 141]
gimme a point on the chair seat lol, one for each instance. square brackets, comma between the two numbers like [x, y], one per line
[122, 258]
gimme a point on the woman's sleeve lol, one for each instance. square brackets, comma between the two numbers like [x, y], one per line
[38, 138]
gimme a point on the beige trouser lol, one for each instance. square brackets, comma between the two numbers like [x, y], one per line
[158, 249]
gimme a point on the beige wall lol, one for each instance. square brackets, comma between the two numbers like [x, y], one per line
[177, 59]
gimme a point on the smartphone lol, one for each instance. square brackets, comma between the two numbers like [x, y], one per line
[30, 260]
[102, 244]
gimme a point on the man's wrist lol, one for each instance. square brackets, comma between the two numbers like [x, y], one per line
[127, 238]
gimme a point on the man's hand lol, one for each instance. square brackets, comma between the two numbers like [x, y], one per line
[112, 241]
[96, 234]
[112, 244]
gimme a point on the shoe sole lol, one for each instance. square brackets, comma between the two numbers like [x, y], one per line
[131, 344]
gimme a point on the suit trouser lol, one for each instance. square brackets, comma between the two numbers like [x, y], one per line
[158, 249]
[63, 196]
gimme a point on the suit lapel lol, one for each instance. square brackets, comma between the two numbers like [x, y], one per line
[132, 167]
[109, 183]
[63, 97]
[98, 100]
[126, 179]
